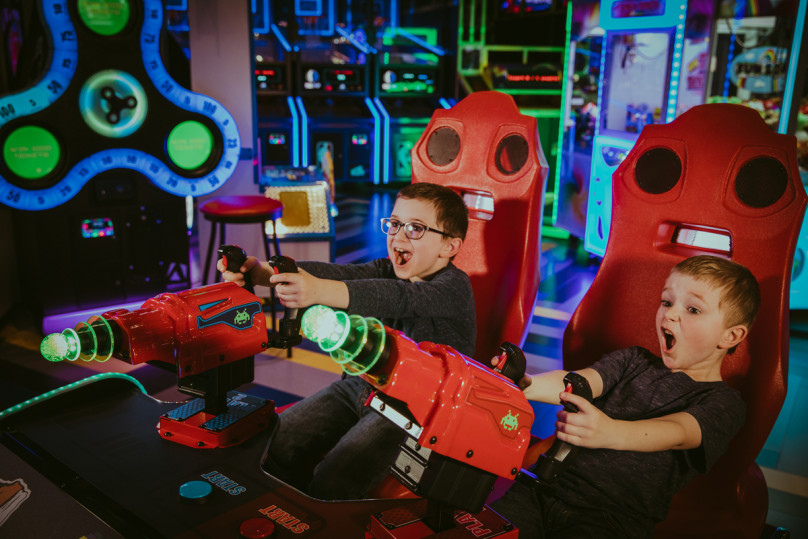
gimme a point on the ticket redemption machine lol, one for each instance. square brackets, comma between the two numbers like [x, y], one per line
[409, 75]
[639, 82]
[100, 156]
[516, 47]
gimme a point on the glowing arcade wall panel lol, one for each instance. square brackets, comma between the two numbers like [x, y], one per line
[107, 102]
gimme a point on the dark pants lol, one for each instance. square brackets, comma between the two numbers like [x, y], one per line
[539, 516]
[332, 446]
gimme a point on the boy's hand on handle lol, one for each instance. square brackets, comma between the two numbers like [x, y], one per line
[511, 363]
[586, 427]
[297, 290]
[239, 277]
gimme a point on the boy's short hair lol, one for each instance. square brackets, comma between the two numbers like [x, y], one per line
[740, 292]
[450, 210]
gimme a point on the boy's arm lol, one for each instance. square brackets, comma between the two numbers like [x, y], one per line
[302, 289]
[590, 427]
[544, 387]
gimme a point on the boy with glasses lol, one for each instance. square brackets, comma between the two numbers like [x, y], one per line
[417, 290]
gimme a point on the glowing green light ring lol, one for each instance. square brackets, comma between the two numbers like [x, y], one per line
[100, 323]
[359, 327]
[69, 387]
[73, 344]
[83, 329]
[377, 328]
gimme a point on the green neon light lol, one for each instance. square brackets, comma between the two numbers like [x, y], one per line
[354, 342]
[31, 152]
[565, 100]
[70, 387]
[104, 17]
[189, 144]
[87, 341]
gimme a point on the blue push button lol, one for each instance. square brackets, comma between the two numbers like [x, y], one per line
[196, 491]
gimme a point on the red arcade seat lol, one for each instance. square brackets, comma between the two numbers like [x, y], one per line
[490, 153]
[716, 180]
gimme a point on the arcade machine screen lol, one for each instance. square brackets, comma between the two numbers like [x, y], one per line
[751, 56]
[409, 75]
[277, 115]
[636, 81]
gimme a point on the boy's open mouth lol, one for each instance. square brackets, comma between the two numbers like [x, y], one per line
[670, 340]
[401, 256]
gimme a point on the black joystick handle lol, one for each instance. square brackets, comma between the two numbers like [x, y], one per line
[551, 464]
[512, 363]
[289, 326]
[233, 258]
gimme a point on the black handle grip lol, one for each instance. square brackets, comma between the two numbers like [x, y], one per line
[289, 326]
[551, 464]
[512, 363]
[234, 257]
[283, 264]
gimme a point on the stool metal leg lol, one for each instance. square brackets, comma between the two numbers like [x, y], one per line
[222, 242]
[210, 252]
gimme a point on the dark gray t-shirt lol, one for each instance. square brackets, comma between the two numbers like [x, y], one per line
[638, 487]
[439, 309]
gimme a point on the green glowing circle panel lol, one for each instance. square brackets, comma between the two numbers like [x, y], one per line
[104, 17]
[31, 152]
[189, 144]
[113, 103]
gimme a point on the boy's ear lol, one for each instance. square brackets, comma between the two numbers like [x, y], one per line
[733, 336]
[451, 247]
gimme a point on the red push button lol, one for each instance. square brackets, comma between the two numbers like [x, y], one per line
[257, 528]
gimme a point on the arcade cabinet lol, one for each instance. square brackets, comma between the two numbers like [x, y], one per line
[340, 126]
[656, 64]
[278, 117]
[408, 85]
[516, 47]
[100, 149]
[579, 113]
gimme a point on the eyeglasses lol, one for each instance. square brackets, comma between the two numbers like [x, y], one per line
[414, 231]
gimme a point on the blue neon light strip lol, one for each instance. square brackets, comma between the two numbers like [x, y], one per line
[788, 94]
[420, 42]
[190, 101]
[377, 135]
[667, 19]
[304, 132]
[364, 47]
[290, 101]
[678, 45]
[444, 103]
[387, 140]
[281, 37]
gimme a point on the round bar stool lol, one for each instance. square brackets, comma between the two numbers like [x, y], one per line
[240, 209]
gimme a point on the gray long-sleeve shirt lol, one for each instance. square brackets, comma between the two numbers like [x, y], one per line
[439, 310]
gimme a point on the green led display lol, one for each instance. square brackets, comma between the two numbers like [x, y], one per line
[189, 145]
[31, 152]
[104, 17]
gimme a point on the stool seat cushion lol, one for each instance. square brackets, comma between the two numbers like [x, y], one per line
[242, 209]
